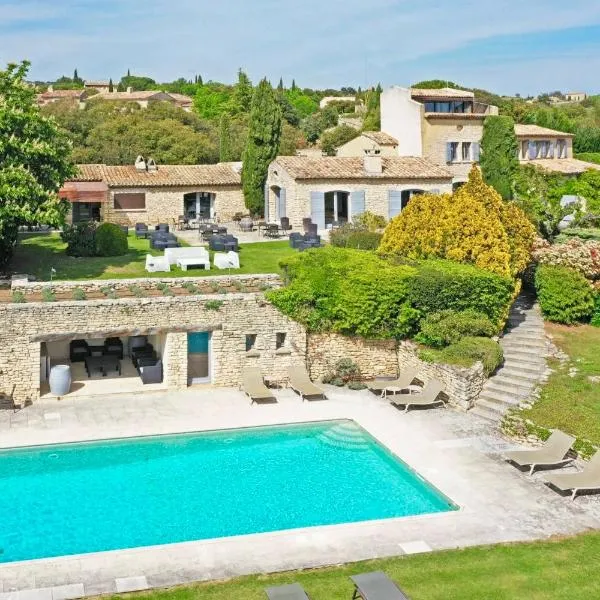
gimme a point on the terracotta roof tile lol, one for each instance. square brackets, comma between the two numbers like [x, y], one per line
[164, 176]
[568, 166]
[132, 96]
[336, 167]
[62, 94]
[441, 93]
[381, 138]
[537, 131]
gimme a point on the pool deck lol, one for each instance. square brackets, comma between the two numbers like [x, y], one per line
[458, 453]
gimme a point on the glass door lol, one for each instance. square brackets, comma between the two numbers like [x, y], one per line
[199, 357]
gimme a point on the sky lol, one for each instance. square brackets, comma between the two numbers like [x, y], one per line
[506, 46]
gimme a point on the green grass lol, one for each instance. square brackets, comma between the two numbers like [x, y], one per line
[593, 157]
[557, 569]
[572, 403]
[37, 254]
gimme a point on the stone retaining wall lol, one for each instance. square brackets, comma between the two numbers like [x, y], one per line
[462, 385]
[374, 357]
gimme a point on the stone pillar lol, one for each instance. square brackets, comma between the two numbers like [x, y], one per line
[175, 361]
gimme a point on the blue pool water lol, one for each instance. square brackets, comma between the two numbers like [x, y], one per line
[77, 498]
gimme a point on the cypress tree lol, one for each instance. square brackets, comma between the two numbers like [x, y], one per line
[280, 86]
[128, 73]
[499, 154]
[200, 82]
[242, 93]
[75, 76]
[262, 146]
[225, 150]
[294, 88]
[111, 87]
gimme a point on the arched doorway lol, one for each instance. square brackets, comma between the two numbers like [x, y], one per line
[336, 207]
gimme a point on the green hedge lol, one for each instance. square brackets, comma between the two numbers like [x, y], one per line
[353, 237]
[596, 315]
[565, 296]
[448, 327]
[111, 240]
[358, 293]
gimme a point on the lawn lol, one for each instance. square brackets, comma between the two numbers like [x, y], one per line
[37, 254]
[565, 568]
[570, 401]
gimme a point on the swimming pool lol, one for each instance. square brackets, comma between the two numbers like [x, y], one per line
[89, 497]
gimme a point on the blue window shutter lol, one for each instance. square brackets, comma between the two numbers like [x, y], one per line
[357, 203]
[317, 208]
[551, 150]
[532, 150]
[282, 203]
[476, 151]
[394, 203]
[448, 151]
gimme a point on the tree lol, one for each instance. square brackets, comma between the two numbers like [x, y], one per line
[225, 150]
[332, 140]
[111, 87]
[242, 93]
[294, 88]
[499, 154]
[34, 161]
[280, 86]
[76, 76]
[264, 136]
[136, 83]
[372, 120]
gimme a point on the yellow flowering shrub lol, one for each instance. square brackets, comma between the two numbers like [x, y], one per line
[473, 225]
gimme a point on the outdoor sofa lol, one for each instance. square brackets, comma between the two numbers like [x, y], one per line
[192, 252]
[229, 260]
[155, 264]
[552, 453]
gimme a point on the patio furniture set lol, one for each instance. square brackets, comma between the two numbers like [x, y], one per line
[367, 586]
[146, 360]
[101, 358]
[193, 256]
[309, 239]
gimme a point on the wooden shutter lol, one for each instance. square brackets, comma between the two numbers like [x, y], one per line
[394, 203]
[476, 151]
[357, 203]
[128, 201]
[282, 203]
[317, 208]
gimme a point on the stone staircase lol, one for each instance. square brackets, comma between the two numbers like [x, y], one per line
[525, 349]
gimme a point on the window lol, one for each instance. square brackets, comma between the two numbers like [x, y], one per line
[129, 201]
[561, 148]
[524, 148]
[466, 151]
[280, 340]
[250, 341]
[452, 150]
[542, 149]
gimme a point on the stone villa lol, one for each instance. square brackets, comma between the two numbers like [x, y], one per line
[153, 194]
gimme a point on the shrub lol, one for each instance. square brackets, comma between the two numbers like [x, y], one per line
[48, 295]
[109, 292]
[369, 220]
[350, 236]
[111, 240]
[165, 289]
[439, 285]
[79, 294]
[474, 225]
[80, 239]
[213, 304]
[192, 288]
[347, 370]
[565, 296]
[18, 297]
[356, 385]
[466, 352]
[583, 256]
[448, 327]
[137, 291]
[596, 316]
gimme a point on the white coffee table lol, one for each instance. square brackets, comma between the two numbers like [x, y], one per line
[184, 263]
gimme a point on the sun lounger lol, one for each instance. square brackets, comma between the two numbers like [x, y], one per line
[406, 377]
[552, 453]
[300, 382]
[376, 586]
[586, 480]
[293, 591]
[254, 387]
[428, 397]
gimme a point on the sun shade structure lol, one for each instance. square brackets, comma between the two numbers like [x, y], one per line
[586, 480]
[376, 586]
[551, 454]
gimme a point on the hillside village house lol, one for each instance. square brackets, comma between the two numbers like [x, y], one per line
[51, 95]
[575, 96]
[377, 141]
[152, 194]
[98, 86]
[333, 190]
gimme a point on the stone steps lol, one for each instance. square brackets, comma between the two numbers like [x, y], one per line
[525, 347]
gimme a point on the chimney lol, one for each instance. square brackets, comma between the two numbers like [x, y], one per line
[373, 163]
[129, 90]
[140, 163]
[151, 165]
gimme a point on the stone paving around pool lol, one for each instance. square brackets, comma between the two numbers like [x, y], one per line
[457, 452]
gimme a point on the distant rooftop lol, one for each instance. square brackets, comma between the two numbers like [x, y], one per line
[442, 93]
[381, 138]
[96, 83]
[567, 166]
[525, 130]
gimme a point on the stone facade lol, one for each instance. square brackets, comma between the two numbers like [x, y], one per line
[26, 326]
[166, 204]
[374, 357]
[298, 204]
[438, 132]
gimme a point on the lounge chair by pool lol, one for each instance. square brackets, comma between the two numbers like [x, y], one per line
[376, 586]
[552, 453]
[254, 387]
[586, 480]
[428, 397]
[300, 382]
[406, 377]
[293, 591]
